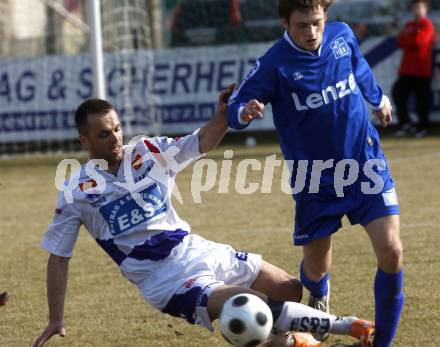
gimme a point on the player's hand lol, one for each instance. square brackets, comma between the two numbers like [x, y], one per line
[51, 330]
[222, 106]
[385, 114]
[252, 110]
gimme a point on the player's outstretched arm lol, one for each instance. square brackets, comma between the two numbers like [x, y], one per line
[57, 270]
[213, 132]
[258, 88]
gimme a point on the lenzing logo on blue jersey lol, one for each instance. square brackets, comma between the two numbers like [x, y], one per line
[340, 48]
[124, 214]
[326, 95]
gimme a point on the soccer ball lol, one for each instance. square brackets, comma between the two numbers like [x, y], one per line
[245, 320]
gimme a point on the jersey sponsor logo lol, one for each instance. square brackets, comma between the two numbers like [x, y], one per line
[144, 174]
[124, 213]
[188, 284]
[311, 324]
[326, 96]
[340, 48]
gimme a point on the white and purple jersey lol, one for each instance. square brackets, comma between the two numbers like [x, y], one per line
[131, 217]
[130, 225]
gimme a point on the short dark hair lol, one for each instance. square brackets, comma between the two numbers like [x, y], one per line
[414, 2]
[286, 7]
[89, 107]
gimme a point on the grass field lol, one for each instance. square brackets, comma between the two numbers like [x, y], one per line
[103, 309]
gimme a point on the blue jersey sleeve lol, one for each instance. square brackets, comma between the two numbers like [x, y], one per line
[364, 75]
[259, 84]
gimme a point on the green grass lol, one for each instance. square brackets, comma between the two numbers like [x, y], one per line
[103, 309]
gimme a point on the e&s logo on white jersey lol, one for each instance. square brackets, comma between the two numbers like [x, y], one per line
[124, 213]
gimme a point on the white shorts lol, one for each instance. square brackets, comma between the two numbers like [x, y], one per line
[181, 284]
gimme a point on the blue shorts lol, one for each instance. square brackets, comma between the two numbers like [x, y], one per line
[318, 216]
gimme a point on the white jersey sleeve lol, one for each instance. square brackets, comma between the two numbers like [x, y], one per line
[61, 235]
[175, 153]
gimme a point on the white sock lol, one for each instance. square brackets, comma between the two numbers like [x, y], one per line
[298, 317]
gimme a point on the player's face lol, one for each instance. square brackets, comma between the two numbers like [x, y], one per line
[104, 139]
[306, 28]
[420, 10]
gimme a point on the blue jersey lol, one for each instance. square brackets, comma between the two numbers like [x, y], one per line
[317, 100]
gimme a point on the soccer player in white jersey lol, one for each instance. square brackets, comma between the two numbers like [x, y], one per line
[127, 209]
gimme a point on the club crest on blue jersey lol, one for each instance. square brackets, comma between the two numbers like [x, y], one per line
[124, 213]
[340, 48]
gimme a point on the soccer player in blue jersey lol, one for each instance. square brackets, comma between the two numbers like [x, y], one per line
[317, 82]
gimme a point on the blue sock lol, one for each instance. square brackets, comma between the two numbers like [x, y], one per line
[317, 289]
[389, 303]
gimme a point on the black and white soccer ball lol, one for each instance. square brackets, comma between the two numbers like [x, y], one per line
[245, 320]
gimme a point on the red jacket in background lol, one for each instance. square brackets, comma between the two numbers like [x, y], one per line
[416, 41]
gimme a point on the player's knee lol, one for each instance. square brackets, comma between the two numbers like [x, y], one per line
[396, 254]
[293, 287]
[392, 258]
[277, 284]
[290, 287]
